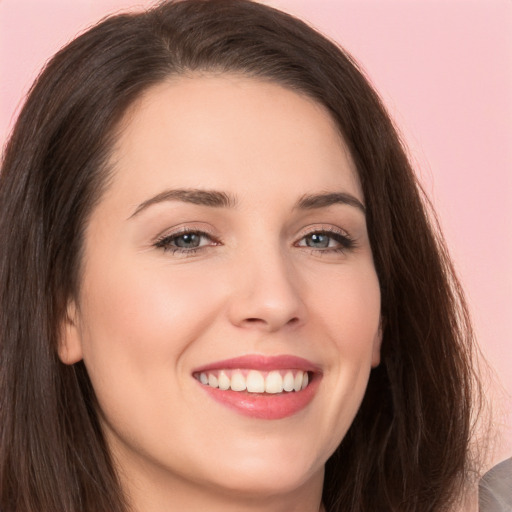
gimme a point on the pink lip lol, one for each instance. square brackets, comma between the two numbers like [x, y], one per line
[261, 363]
[263, 405]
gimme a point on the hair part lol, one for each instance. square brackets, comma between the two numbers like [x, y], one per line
[408, 446]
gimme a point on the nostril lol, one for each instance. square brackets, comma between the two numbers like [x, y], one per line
[254, 320]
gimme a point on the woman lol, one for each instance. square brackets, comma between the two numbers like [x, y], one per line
[220, 286]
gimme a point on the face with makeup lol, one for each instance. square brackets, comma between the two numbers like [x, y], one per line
[229, 311]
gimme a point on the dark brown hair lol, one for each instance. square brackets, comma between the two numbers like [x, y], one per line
[407, 449]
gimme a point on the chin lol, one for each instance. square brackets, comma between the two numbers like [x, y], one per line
[257, 478]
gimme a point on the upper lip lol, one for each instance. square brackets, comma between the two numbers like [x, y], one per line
[261, 363]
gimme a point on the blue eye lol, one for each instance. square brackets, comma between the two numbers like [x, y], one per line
[327, 241]
[318, 240]
[185, 242]
[188, 240]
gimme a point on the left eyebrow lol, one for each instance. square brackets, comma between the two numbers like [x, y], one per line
[313, 201]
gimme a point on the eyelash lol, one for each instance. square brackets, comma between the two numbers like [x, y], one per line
[346, 243]
[165, 242]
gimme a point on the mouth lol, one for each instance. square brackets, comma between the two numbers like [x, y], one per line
[255, 381]
[259, 386]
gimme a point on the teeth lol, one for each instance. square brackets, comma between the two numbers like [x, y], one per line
[238, 382]
[212, 381]
[224, 382]
[254, 381]
[288, 381]
[297, 382]
[305, 381]
[274, 383]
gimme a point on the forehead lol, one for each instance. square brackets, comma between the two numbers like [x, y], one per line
[230, 132]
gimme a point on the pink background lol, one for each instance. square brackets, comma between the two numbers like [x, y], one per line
[444, 69]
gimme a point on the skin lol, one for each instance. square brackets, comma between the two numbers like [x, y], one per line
[146, 317]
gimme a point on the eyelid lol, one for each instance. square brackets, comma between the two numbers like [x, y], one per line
[183, 230]
[343, 239]
[163, 241]
[341, 236]
[324, 228]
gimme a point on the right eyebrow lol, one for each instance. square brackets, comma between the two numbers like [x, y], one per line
[212, 198]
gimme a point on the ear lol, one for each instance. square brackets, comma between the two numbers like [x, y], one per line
[70, 342]
[377, 343]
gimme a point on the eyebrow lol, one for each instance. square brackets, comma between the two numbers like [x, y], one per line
[313, 201]
[217, 199]
[210, 198]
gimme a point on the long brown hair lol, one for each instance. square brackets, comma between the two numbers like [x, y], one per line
[407, 449]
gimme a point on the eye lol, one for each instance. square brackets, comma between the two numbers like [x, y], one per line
[188, 240]
[319, 241]
[327, 240]
[185, 241]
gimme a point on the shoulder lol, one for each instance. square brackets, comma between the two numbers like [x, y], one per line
[495, 488]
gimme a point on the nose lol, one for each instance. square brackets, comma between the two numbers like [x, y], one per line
[266, 294]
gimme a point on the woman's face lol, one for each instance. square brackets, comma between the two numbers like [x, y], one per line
[229, 251]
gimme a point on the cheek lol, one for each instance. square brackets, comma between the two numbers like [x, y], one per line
[138, 327]
[347, 313]
[135, 315]
[355, 325]
[348, 305]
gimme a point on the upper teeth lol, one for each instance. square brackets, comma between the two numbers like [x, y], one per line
[254, 381]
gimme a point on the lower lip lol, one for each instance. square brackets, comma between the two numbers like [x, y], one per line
[265, 406]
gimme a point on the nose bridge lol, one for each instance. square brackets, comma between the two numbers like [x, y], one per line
[266, 291]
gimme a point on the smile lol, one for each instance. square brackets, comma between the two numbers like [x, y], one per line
[255, 381]
[261, 387]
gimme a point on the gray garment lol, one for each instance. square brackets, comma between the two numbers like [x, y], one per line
[495, 489]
